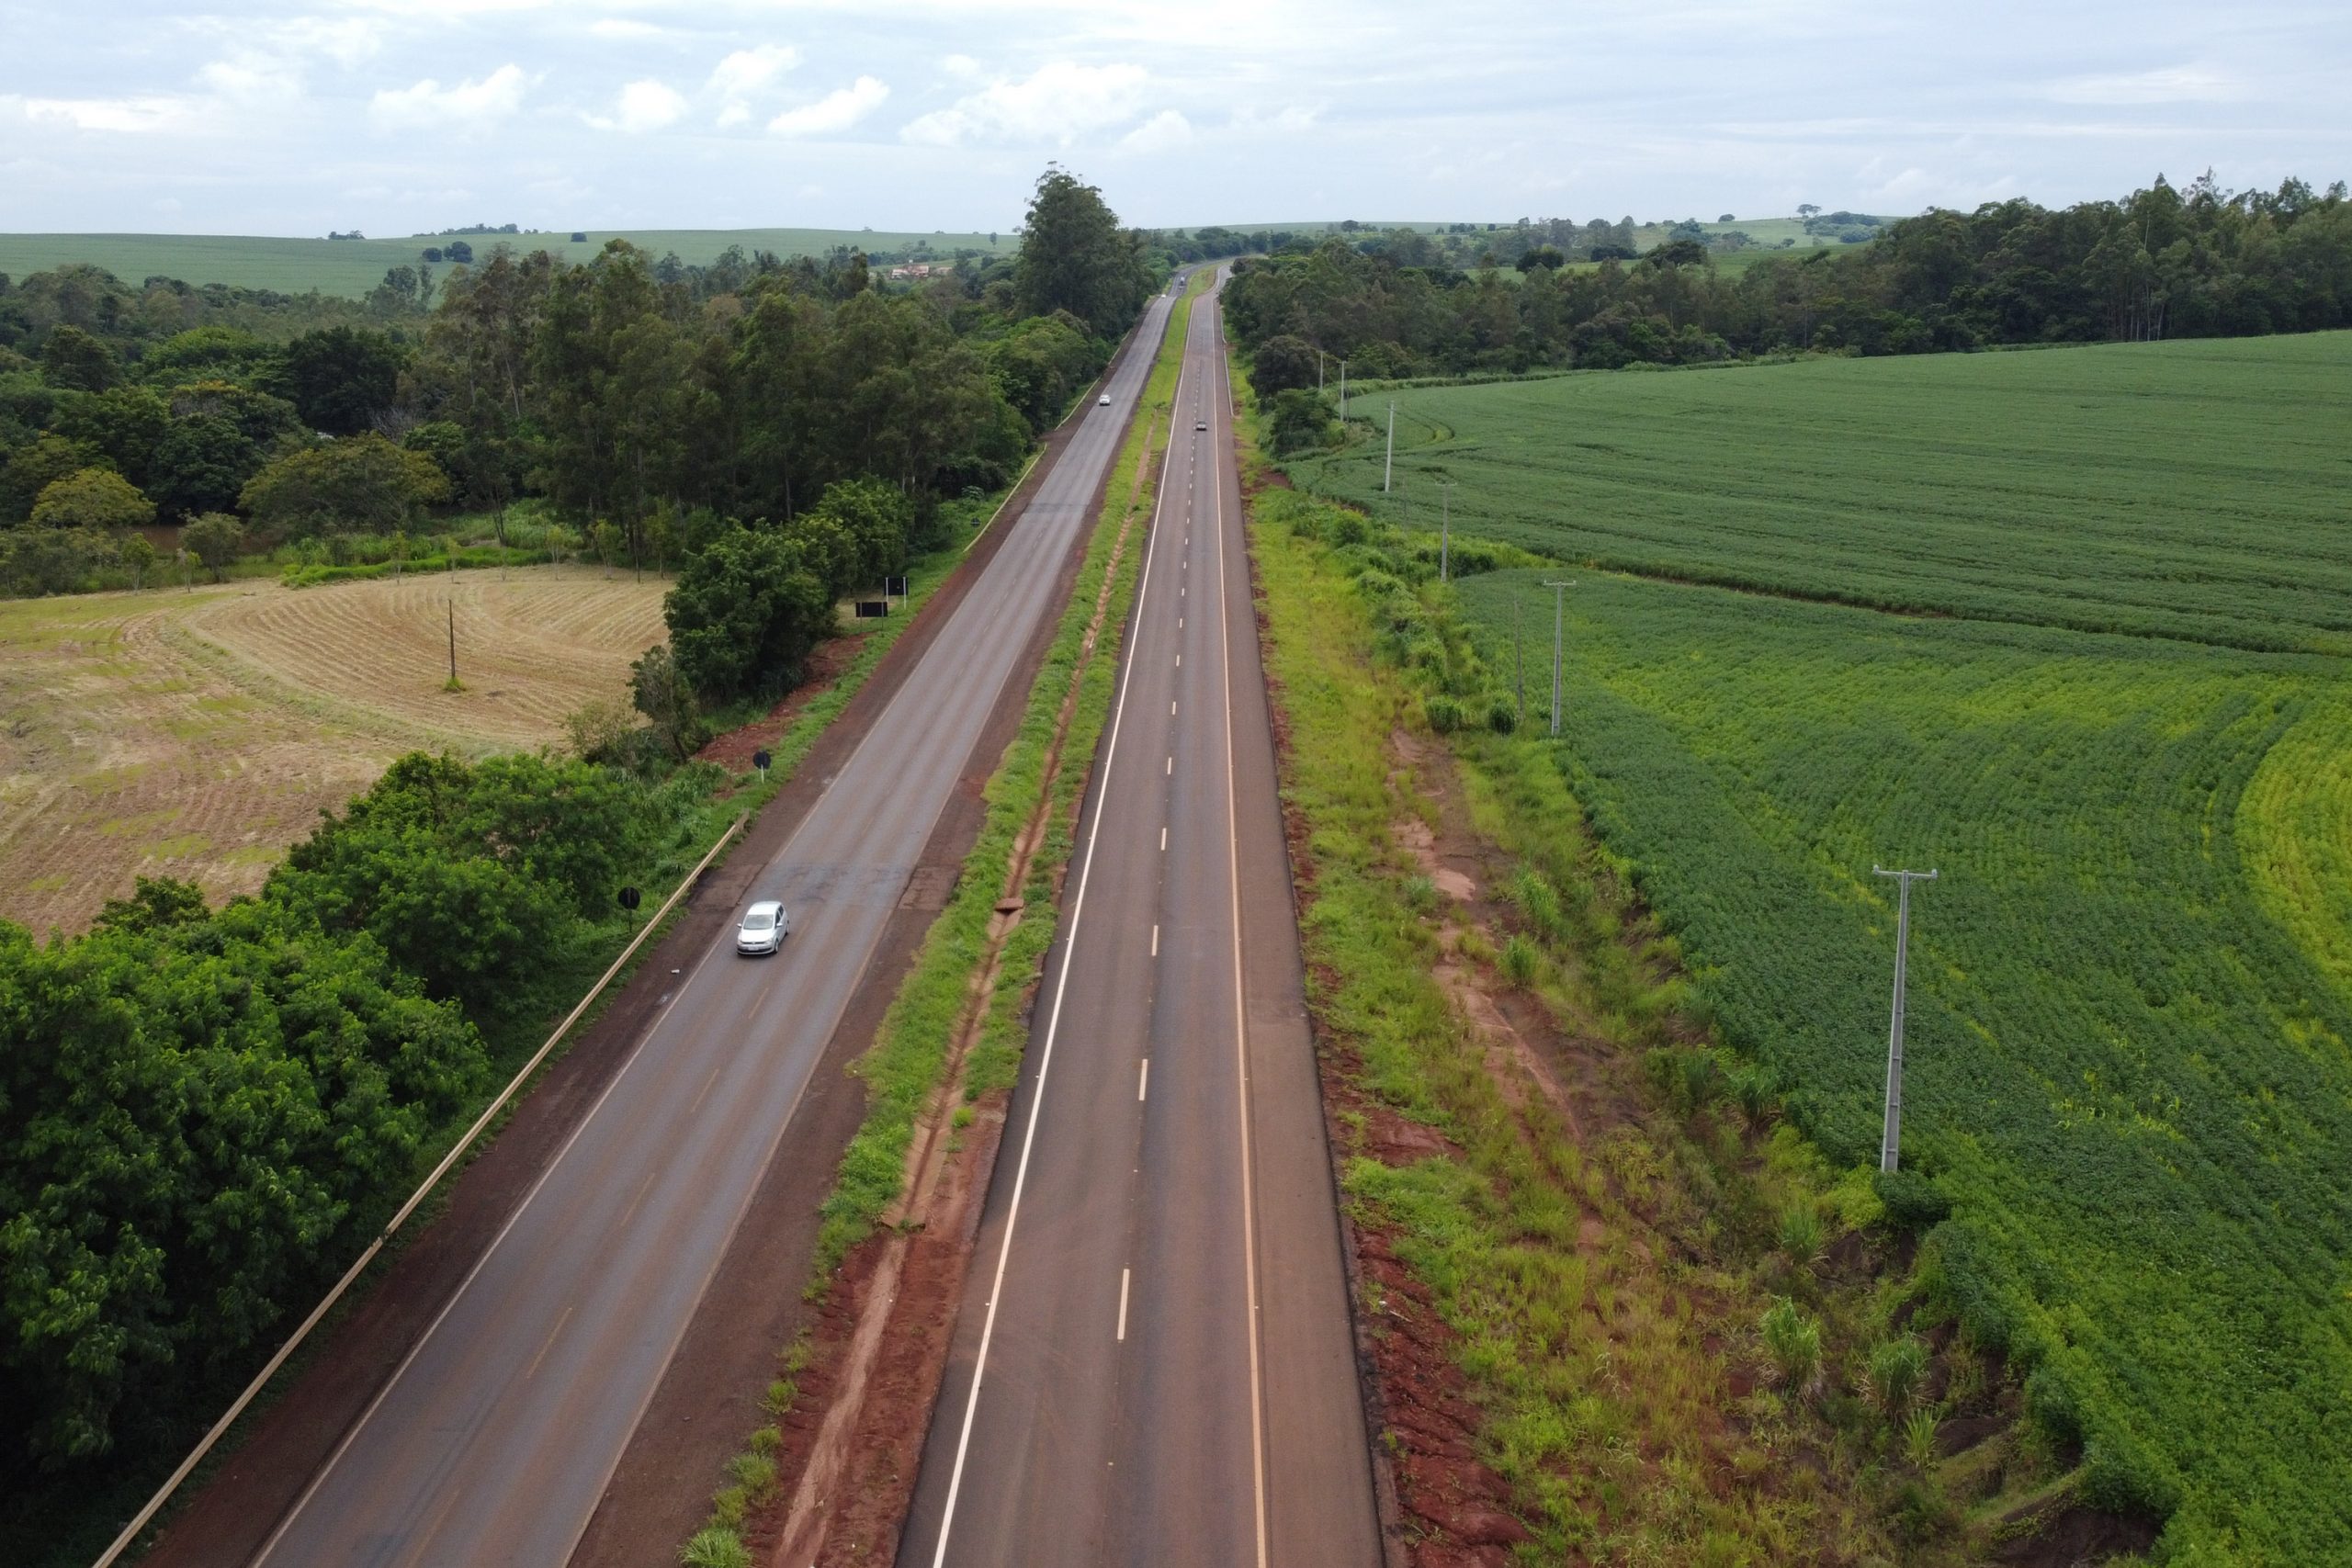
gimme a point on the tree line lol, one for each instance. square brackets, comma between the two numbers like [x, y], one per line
[2194, 261]
[618, 390]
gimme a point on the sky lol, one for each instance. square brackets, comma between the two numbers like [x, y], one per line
[397, 116]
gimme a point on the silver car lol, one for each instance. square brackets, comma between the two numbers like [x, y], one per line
[765, 927]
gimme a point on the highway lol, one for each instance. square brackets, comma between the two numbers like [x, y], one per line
[1153, 1361]
[493, 1441]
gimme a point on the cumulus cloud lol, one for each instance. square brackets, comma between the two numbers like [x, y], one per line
[466, 105]
[1062, 101]
[745, 73]
[833, 113]
[1162, 131]
[644, 105]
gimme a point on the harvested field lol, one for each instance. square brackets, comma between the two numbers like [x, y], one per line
[197, 735]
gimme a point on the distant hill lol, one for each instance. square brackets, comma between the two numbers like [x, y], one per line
[351, 267]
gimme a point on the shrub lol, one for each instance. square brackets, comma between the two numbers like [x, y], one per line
[92, 497]
[1801, 1234]
[1919, 1438]
[716, 1547]
[1895, 1368]
[1522, 960]
[1502, 715]
[1444, 713]
[214, 540]
[1913, 1202]
[1794, 1341]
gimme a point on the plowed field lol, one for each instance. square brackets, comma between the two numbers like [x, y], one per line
[197, 735]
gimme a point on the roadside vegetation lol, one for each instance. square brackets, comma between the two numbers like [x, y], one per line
[2126, 1085]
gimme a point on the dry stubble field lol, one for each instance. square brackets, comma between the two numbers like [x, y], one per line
[196, 734]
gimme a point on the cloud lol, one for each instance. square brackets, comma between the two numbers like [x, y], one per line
[735, 79]
[644, 105]
[1162, 131]
[624, 29]
[1060, 102]
[833, 113]
[2171, 85]
[468, 104]
[131, 116]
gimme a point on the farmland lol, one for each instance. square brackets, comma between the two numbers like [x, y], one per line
[2189, 490]
[2131, 986]
[351, 267]
[196, 734]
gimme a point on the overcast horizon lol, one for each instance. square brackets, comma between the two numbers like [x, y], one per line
[413, 116]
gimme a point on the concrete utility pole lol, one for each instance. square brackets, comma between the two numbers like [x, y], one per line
[1389, 469]
[1444, 524]
[1519, 657]
[1892, 1138]
[1343, 392]
[1559, 605]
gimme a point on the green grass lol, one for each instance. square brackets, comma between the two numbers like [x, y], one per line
[2131, 989]
[2189, 490]
[352, 267]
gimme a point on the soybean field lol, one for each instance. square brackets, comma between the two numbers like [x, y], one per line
[2199, 490]
[2130, 987]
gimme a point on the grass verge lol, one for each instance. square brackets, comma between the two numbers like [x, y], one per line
[905, 1068]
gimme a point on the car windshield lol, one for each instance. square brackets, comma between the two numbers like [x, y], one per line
[758, 920]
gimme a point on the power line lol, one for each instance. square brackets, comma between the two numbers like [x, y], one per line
[1892, 1137]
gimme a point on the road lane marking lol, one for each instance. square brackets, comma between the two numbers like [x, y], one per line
[642, 1188]
[1179, 661]
[1122, 1306]
[1155, 940]
[1143, 1080]
[705, 1090]
[1171, 764]
[561, 1319]
[1046, 1062]
[1172, 707]
[1163, 841]
[1241, 1040]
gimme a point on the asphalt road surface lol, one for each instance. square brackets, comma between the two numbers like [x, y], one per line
[1154, 1363]
[493, 1441]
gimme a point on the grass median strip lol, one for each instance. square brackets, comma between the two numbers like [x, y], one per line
[970, 969]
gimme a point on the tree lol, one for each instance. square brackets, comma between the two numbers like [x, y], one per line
[607, 542]
[364, 483]
[1807, 209]
[137, 554]
[202, 465]
[93, 498]
[214, 540]
[1301, 423]
[35, 467]
[72, 359]
[342, 379]
[660, 691]
[1074, 257]
[1544, 256]
[1283, 362]
[744, 613]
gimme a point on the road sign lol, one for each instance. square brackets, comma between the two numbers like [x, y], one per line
[631, 897]
[895, 586]
[868, 609]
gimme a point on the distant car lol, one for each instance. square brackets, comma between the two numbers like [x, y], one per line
[1104, 401]
[1200, 424]
[765, 927]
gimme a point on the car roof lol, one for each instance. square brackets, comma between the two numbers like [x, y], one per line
[764, 907]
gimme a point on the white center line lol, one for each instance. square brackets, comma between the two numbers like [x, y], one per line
[638, 1199]
[1172, 707]
[1143, 1081]
[705, 1091]
[1122, 1305]
[1179, 661]
[1155, 942]
[1163, 841]
[1172, 766]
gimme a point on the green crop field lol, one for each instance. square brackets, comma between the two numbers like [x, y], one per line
[2132, 986]
[351, 267]
[2193, 490]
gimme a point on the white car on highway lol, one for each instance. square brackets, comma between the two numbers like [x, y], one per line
[1104, 401]
[765, 927]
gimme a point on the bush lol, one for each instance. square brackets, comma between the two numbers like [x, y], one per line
[1913, 1203]
[1502, 715]
[1895, 1370]
[716, 1547]
[1522, 960]
[1801, 1234]
[1794, 1341]
[214, 540]
[1444, 714]
[365, 483]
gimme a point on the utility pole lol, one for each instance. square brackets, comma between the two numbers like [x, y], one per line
[453, 646]
[1343, 392]
[1318, 372]
[1444, 524]
[1389, 469]
[1890, 1140]
[1558, 610]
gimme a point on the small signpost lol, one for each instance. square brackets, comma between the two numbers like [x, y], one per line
[630, 899]
[872, 609]
[759, 759]
[893, 587]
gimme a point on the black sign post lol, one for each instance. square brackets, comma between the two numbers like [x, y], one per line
[630, 899]
[759, 759]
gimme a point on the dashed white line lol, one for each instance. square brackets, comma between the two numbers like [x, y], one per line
[1172, 766]
[705, 1091]
[1163, 841]
[564, 1318]
[1143, 1080]
[1172, 707]
[1122, 1305]
[1155, 942]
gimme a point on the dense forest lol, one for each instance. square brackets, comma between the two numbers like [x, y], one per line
[204, 1113]
[2199, 262]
